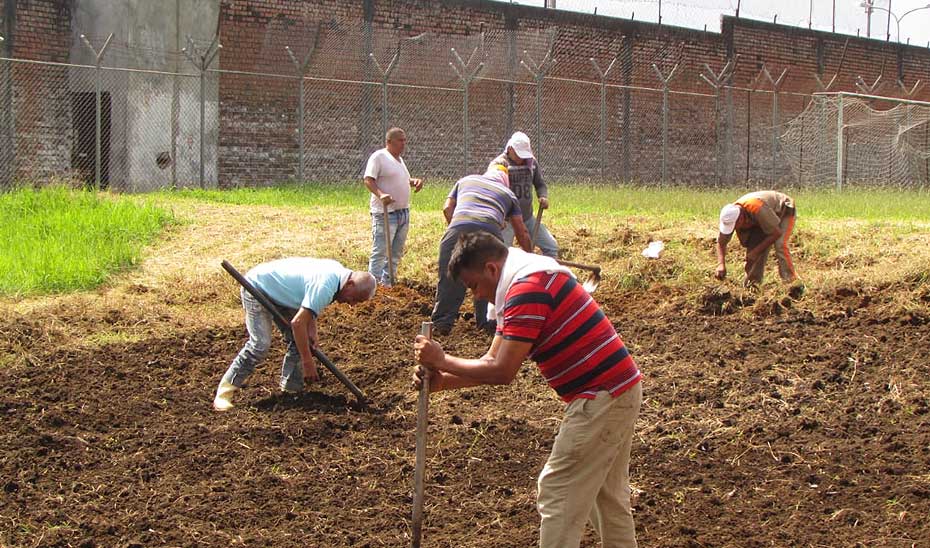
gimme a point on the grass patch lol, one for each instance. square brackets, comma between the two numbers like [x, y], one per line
[56, 239]
[599, 199]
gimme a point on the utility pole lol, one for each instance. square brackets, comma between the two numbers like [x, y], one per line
[867, 4]
[888, 26]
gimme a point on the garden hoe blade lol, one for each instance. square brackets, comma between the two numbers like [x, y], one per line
[594, 278]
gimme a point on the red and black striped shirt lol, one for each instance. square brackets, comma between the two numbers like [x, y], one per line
[577, 349]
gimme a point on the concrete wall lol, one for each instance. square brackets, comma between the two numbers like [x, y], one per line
[153, 114]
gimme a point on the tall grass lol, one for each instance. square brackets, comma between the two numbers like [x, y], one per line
[56, 239]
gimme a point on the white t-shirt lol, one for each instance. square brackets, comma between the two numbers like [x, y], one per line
[391, 176]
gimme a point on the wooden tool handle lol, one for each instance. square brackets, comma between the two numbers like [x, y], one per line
[426, 329]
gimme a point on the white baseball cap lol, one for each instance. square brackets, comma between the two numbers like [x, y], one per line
[729, 214]
[521, 145]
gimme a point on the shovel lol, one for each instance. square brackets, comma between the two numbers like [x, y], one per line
[594, 278]
[426, 329]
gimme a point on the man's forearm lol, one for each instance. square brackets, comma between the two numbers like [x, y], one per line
[484, 370]
[302, 341]
[764, 244]
[372, 187]
[454, 382]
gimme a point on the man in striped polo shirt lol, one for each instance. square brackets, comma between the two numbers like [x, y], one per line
[476, 202]
[545, 314]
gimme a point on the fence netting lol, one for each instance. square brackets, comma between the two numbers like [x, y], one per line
[312, 106]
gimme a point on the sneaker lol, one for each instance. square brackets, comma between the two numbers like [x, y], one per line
[224, 395]
[442, 330]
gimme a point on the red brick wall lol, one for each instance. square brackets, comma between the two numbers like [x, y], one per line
[258, 134]
[41, 102]
[343, 120]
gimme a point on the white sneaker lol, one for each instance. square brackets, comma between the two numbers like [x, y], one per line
[224, 394]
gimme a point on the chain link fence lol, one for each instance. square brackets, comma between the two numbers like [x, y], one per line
[314, 105]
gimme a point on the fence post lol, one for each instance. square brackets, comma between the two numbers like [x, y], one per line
[8, 142]
[718, 81]
[665, 81]
[626, 78]
[98, 60]
[839, 142]
[466, 75]
[776, 85]
[603, 76]
[386, 75]
[301, 72]
[202, 63]
[539, 72]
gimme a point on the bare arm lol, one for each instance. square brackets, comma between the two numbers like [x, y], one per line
[754, 253]
[448, 208]
[372, 187]
[722, 241]
[498, 366]
[303, 326]
[541, 189]
[523, 235]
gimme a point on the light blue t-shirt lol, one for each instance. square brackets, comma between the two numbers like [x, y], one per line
[300, 281]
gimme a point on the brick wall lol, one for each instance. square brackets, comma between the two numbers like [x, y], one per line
[41, 130]
[722, 139]
[259, 141]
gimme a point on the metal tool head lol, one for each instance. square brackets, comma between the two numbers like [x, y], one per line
[594, 280]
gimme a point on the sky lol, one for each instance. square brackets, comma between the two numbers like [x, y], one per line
[850, 15]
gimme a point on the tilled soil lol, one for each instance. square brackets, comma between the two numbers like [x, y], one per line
[764, 424]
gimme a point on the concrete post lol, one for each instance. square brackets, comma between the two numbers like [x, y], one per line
[539, 72]
[718, 81]
[98, 60]
[202, 62]
[301, 72]
[839, 142]
[386, 75]
[626, 71]
[776, 86]
[7, 143]
[466, 75]
[665, 81]
[603, 114]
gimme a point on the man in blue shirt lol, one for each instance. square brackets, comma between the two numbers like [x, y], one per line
[302, 287]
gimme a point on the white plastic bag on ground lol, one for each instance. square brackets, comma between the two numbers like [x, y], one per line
[654, 249]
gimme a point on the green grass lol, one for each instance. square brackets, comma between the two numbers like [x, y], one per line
[622, 200]
[56, 239]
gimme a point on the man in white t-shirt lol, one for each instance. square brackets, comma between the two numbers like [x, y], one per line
[389, 182]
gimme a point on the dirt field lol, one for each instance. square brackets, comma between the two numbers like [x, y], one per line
[768, 423]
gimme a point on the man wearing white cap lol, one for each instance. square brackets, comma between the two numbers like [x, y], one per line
[525, 175]
[301, 287]
[760, 219]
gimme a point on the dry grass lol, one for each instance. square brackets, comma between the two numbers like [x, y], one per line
[179, 283]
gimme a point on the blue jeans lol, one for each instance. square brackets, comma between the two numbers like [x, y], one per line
[260, 326]
[378, 263]
[544, 240]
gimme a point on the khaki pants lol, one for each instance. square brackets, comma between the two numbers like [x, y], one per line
[587, 476]
[755, 271]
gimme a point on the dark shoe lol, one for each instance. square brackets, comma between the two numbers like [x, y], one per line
[442, 330]
[489, 328]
